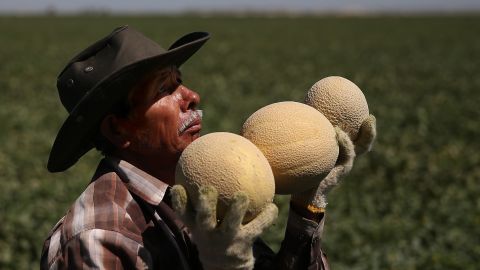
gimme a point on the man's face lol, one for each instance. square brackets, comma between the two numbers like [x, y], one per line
[164, 119]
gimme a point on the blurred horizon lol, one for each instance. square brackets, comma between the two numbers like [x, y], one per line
[241, 6]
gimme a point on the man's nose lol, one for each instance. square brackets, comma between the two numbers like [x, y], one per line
[190, 98]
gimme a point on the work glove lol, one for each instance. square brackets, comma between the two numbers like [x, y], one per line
[225, 244]
[366, 135]
[315, 200]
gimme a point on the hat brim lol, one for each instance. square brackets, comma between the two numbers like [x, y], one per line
[75, 137]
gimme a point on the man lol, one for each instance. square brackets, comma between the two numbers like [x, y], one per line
[125, 96]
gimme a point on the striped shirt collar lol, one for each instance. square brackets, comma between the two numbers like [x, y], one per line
[150, 189]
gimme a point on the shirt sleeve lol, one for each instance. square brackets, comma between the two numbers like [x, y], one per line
[101, 249]
[300, 249]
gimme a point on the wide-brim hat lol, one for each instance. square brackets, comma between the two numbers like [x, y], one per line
[99, 78]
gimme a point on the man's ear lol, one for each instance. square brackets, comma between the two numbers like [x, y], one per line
[111, 128]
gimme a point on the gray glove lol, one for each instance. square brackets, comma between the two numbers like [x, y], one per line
[226, 244]
[315, 200]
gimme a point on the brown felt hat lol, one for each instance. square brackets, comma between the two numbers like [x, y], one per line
[99, 78]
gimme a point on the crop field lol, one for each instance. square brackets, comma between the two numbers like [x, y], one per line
[412, 203]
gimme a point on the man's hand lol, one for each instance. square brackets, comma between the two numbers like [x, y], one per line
[315, 200]
[225, 244]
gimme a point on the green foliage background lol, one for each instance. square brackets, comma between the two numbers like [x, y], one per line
[412, 203]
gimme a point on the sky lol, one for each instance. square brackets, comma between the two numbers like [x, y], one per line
[139, 6]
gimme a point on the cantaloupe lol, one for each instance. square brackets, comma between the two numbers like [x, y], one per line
[341, 101]
[229, 163]
[298, 141]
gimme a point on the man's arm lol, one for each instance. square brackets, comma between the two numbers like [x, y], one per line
[301, 247]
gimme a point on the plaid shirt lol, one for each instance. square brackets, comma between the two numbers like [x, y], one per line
[123, 221]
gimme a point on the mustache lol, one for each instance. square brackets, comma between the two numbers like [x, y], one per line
[195, 115]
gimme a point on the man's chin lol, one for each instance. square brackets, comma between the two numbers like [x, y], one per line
[189, 138]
